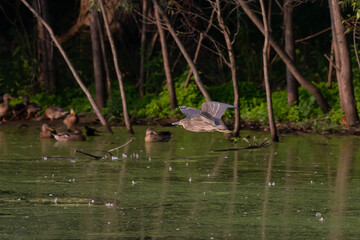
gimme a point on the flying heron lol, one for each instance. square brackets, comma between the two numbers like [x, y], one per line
[205, 120]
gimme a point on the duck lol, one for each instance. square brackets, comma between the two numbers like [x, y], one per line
[31, 108]
[71, 120]
[47, 131]
[4, 107]
[52, 113]
[70, 136]
[91, 131]
[154, 136]
[19, 109]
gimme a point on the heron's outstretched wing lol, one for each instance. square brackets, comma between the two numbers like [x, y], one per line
[189, 111]
[216, 109]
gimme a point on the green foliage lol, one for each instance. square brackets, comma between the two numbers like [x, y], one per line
[15, 67]
[159, 105]
[126, 5]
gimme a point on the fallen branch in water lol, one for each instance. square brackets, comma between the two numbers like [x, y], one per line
[58, 158]
[117, 148]
[87, 154]
[90, 155]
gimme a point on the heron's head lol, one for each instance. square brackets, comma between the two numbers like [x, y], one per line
[181, 122]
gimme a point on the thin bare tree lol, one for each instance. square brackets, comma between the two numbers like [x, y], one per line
[291, 84]
[72, 69]
[198, 47]
[287, 60]
[103, 54]
[143, 48]
[273, 130]
[97, 58]
[183, 51]
[231, 64]
[164, 51]
[117, 70]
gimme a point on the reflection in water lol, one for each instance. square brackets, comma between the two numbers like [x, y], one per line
[3, 143]
[340, 195]
[267, 185]
[182, 189]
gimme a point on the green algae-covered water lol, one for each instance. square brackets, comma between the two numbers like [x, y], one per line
[197, 186]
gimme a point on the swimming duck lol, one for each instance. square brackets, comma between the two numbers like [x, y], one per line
[53, 113]
[4, 106]
[71, 120]
[91, 131]
[154, 136]
[47, 131]
[70, 136]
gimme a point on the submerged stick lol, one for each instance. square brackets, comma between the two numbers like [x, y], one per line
[117, 148]
[87, 154]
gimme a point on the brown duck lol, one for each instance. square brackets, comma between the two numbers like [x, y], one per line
[47, 131]
[70, 136]
[52, 113]
[71, 120]
[4, 107]
[154, 136]
[31, 108]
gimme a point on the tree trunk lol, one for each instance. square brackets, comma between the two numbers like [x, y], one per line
[289, 63]
[184, 52]
[97, 58]
[104, 59]
[230, 50]
[291, 84]
[273, 130]
[118, 73]
[43, 67]
[343, 65]
[142, 49]
[170, 83]
[72, 69]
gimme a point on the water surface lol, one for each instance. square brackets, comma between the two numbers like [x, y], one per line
[194, 187]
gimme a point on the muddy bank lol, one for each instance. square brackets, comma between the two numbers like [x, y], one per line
[283, 128]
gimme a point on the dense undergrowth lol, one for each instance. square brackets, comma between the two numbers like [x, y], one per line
[252, 103]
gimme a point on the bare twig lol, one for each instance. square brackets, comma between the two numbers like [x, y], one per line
[331, 62]
[117, 148]
[314, 35]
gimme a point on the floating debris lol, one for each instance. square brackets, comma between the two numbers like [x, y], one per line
[254, 144]
[271, 183]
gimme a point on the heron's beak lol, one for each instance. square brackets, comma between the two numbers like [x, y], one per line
[175, 123]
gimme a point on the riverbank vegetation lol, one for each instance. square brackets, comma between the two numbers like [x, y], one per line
[224, 47]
